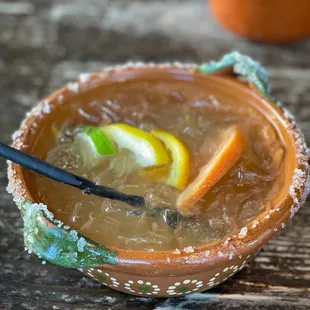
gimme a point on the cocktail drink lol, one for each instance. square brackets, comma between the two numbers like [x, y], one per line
[145, 121]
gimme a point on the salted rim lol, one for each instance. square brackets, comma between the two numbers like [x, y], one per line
[225, 248]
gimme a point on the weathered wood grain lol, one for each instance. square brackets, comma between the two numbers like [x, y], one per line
[44, 44]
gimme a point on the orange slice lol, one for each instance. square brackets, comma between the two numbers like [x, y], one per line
[232, 143]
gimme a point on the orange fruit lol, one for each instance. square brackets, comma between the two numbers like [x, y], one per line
[232, 143]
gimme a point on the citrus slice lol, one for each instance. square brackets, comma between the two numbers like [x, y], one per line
[156, 173]
[232, 143]
[180, 167]
[148, 150]
[94, 142]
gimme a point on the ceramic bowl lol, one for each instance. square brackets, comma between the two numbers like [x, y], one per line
[167, 273]
[273, 21]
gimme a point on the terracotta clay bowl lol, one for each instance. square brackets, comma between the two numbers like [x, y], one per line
[167, 273]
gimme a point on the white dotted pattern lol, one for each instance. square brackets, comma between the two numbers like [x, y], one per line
[175, 289]
[153, 289]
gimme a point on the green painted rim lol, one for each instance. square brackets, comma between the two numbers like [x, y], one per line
[243, 66]
[50, 240]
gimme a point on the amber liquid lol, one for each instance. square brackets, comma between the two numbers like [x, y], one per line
[189, 112]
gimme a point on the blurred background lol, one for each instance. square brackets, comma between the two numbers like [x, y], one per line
[44, 44]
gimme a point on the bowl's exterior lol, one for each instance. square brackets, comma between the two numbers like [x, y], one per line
[167, 286]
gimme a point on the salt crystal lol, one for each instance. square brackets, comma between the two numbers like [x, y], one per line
[207, 253]
[242, 232]
[17, 134]
[84, 77]
[292, 191]
[74, 235]
[189, 249]
[36, 231]
[60, 98]
[74, 256]
[293, 210]
[46, 109]
[231, 247]
[220, 254]
[176, 251]
[282, 225]
[43, 262]
[74, 87]
[288, 114]
[81, 244]
[18, 200]
[255, 223]
[267, 216]
[299, 178]
[230, 255]
[151, 250]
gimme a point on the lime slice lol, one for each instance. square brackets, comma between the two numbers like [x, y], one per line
[94, 142]
[180, 167]
[148, 150]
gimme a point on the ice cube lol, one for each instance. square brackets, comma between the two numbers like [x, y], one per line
[76, 211]
[113, 206]
[148, 124]
[210, 230]
[110, 224]
[249, 210]
[91, 219]
[67, 133]
[66, 156]
[101, 175]
[161, 196]
[123, 163]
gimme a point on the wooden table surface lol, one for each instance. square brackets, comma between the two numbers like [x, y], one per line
[44, 44]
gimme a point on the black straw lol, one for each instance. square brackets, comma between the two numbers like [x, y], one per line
[65, 177]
